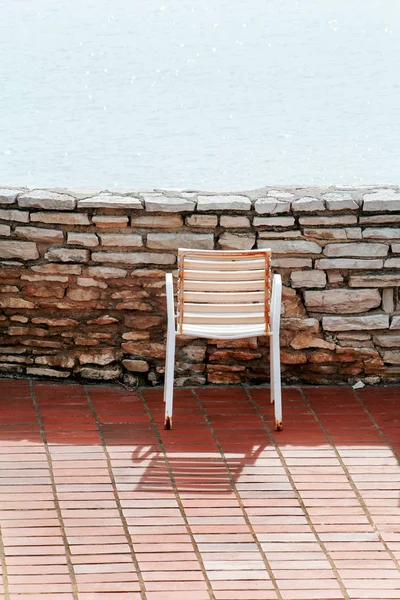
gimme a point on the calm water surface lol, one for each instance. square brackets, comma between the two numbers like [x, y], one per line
[200, 94]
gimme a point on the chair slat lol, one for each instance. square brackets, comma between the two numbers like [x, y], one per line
[218, 308]
[224, 297]
[234, 286]
[223, 318]
[223, 265]
[223, 275]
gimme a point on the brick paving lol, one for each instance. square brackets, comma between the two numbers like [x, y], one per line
[98, 502]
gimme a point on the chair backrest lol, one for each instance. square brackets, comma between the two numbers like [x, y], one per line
[225, 287]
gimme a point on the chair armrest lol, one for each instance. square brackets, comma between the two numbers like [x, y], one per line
[276, 299]
[169, 285]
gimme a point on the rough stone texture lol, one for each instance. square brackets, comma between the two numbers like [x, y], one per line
[381, 233]
[111, 201]
[60, 219]
[385, 200]
[203, 221]
[38, 234]
[67, 255]
[291, 247]
[348, 263]
[234, 222]
[132, 240]
[5, 230]
[353, 249]
[46, 200]
[8, 196]
[133, 258]
[172, 241]
[272, 222]
[232, 241]
[342, 301]
[163, 204]
[272, 206]
[378, 321]
[157, 221]
[308, 279]
[88, 240]
[308, 204]
[97, 314]
[20, 250]
[241, 203]
[340, 201]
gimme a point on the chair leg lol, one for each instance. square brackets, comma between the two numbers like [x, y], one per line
[276, 380]
[271, 371]
[169, 378]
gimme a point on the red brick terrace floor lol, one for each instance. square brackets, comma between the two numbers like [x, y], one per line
[99, 502]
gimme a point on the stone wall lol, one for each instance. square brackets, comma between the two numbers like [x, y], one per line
[82, 282]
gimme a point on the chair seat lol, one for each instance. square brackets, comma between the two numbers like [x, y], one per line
[229, 332]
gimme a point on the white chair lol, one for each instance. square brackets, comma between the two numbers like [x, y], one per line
[224, 294]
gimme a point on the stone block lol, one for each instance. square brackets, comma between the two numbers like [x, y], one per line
[353, 233]
[348, 263]
[18, 216]
[395, 324]
[47, 372]
[88, 240]
[61, 360]
[384, 200]
[170, 221]
[136, 366]
[110, 221]
[134, 258]
[280, 235]
[106, 272]
[111, 201]
[8, 196]
[91, 282]
[339, 301]
[305, 339]
[326, 234]
[387, 340]
[160, 203]
[291, 263]
[205, 203]
[388, 300]
[308, 204]
[44, 291]
[67, 255]
[58, 269]
[378, 321]
[340, 201]
[173, 241]
[46, 200]
[5, 230]
[60, 219]
[356, 250]
[80, 295]
[121, 240]
[329, 221]
[38, 234]
[271, 206]
[234, 222]
[392, 263]
[203, 221]
[308, 279]
[396, 248]
[379, 219]
[300, 324]
[102, 356]
[392, 357]
[291, 247]
[99, 373]
[20, 250]
[231, 241]
[272, 222]
[381, 233]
